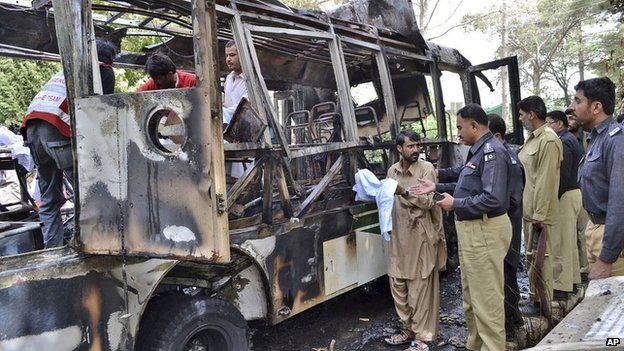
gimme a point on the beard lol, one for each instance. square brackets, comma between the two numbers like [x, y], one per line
[527, 125]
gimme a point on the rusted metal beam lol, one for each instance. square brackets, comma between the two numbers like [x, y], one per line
[267, 196]
[290, 180]
[73, 23]
[207, 70]
[265, 99]
[319, 188]
[291, 32]
[343, 87]
[282, 188]
[237, 189]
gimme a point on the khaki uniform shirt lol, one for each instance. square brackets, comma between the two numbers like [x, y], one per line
[417, 245]
[541, 157]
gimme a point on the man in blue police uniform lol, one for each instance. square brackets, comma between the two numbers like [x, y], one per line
[601, 176]
[480, 202]
[513, 317]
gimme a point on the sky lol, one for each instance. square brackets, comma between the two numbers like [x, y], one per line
[475, 46]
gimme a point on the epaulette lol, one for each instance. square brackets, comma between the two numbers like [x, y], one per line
[489, 157]
[614, 131]
[488, 148]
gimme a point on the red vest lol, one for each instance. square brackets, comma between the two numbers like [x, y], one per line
[50, 105]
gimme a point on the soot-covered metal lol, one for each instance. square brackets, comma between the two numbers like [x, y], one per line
[136, 195]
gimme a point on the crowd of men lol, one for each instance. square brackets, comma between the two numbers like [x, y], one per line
[564, 190]
[46, 128]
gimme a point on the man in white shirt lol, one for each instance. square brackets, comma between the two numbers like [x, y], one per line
[235, 82]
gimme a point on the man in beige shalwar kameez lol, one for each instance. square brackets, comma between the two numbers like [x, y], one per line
[417, 248]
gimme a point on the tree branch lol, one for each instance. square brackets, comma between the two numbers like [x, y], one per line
[474, 19]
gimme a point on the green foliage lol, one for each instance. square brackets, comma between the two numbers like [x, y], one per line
[303, 4]
[20, 81]
[309, 4]
[127, 80]
[554, 40]
[610, 56]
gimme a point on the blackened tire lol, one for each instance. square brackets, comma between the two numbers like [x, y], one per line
[177, 322]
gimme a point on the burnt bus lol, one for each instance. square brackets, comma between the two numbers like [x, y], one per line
[171, 249]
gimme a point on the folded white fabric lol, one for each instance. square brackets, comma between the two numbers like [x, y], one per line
[368, 189]
[15, 143]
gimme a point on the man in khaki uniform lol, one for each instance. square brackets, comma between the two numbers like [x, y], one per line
[417, 248]
[566, 262]
[480, 201]
[541, 157]
[601, 177]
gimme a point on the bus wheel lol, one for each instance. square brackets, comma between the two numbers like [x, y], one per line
[176, 322]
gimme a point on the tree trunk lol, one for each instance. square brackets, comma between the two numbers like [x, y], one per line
[422, 16]
[536, 77]
[504, 74]
[581, 62]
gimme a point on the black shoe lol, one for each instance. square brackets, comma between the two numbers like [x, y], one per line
[584, 278]
[531, 309]
[510, 335]
[559, 295]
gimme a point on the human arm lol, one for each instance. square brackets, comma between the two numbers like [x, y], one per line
[424, 201]
[449, 175]
[425, 186]
[613, 240]
[493, 179]
[547, 184]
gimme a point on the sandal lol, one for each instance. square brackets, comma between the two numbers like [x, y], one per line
[418, 346]
[398, 339]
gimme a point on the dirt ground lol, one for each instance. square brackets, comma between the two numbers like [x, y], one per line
[359, 320]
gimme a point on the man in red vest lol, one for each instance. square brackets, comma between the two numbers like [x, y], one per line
[47, 132]
[164, 74]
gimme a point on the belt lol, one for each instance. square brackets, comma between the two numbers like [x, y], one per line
[489, 215]
[597, 218]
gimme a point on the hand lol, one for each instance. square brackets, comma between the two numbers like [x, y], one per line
[424, 186]
[600, 270]
[538, 224]
[447, 203]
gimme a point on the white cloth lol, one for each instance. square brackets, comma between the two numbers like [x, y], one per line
[368, 189]
[235, 90]
[15, 143]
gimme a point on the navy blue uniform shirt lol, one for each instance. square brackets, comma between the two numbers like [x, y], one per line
[482, 184]
[601, 177]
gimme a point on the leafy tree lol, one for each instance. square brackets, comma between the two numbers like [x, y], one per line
[610, 56]
[303, 4]
[549, 37]
[20, 81]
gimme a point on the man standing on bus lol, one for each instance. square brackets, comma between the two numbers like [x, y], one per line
[235, 82]
[417, 249]
[165, 75]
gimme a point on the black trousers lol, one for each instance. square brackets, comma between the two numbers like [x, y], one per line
[513, 318]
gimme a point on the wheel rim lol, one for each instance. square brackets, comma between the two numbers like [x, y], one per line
[207, 338]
